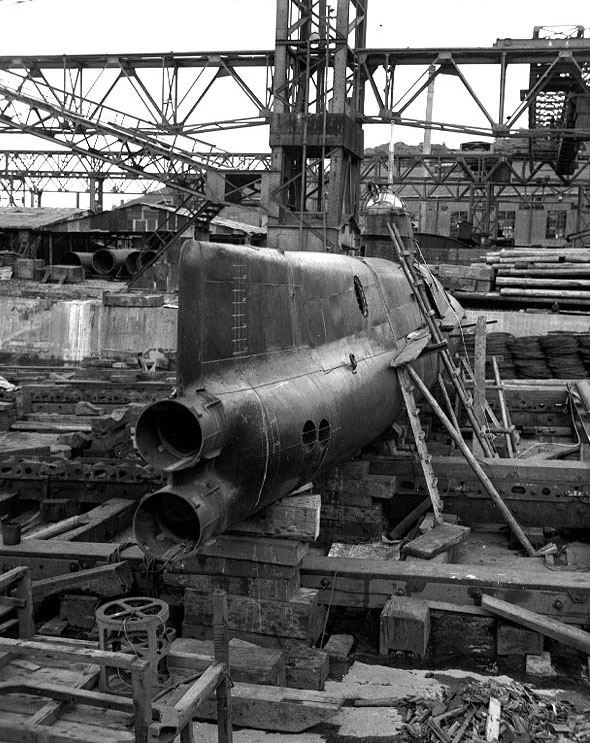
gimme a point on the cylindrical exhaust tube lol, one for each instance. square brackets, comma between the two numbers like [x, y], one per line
[176, 434]
[131, 262]
[109, 262]
[79, 259]
[180, 517]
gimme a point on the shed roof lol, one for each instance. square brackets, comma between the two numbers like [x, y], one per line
[34, 218]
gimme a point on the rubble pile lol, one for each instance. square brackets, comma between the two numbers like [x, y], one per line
[522, 716]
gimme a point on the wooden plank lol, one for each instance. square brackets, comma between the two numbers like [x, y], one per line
[293, 618]
[108, 580]
[248, 663]
[296, 517]
[276, 708]
[58, 528]
[188, 705]
[15, 729]
[479, 375]
[76, 694]
[254, 549]
[493, 720]
[51, 711]
[399, 530]
[23, 444]
[572, 636]
[49, 427]
[11, 577]
[53, 651]
[104, 522]
[437, 540]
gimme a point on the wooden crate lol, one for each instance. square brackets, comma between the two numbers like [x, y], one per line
[28, 268]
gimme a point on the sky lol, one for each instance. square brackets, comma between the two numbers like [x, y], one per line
[123, 26]
[68, 26]
[119, 26]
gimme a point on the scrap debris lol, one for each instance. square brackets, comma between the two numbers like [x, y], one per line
[522, 714]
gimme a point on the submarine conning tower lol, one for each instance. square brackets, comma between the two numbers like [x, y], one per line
[384, 208]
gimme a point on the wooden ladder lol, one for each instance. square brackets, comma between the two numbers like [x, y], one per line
[408, 377]
[424, 455]
[439, 344]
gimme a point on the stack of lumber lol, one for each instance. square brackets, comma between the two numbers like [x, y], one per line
[352, 503]
[491, 710]
[261, 575]
[476, 277]
[551, 274]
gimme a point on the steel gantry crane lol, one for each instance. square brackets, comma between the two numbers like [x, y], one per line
[147, 115]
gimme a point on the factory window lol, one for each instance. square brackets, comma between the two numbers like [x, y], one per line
[457, 217]
[506, 223]
[360, 297]
[556, 224]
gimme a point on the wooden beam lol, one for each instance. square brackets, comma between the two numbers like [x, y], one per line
[572, 636]
[52, 651]
[540, 493]
[479, 375]
[276, 708]
[369, 584]
[106, 580]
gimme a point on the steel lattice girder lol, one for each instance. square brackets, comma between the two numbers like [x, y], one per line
[168, 94]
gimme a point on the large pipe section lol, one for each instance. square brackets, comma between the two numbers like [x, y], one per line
[79, 259]
[284, 371]
[111, 261]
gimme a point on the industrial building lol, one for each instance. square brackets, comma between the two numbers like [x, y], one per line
[296, 441]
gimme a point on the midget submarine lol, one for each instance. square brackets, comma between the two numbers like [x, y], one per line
[284, 370]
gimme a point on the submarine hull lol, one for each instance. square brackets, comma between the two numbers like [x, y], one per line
[284, 371]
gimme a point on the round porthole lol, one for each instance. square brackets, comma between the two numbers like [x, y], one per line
[324, 432]
[309, 434]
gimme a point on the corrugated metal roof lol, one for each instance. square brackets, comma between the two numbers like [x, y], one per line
[231, 224]
[35, 218]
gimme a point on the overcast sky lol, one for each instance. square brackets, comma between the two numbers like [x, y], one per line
[119, 26]
[67, 26]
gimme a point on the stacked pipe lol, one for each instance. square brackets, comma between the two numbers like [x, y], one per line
[547, 274]
[115, 262]
[79, 259]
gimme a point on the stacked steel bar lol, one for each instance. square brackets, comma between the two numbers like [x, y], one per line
[549, 274]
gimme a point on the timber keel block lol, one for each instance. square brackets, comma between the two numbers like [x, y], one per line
[404, 625]
[514, 640]
[437, 540]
